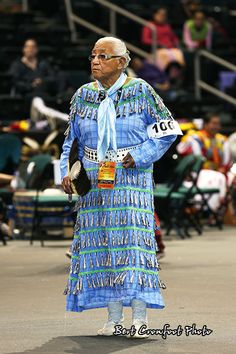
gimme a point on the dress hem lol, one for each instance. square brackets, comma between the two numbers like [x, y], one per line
[151, 306]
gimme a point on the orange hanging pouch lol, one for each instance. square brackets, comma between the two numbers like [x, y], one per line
[106, 174]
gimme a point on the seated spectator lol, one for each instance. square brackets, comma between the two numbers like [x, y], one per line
[214, 146]
[220, 35]
[197, 32]
[167, 41]
[35, 80]
[154, 76]
[32, 76]
[165, 35]
[150, 73]
[209, 143]
[190, 7]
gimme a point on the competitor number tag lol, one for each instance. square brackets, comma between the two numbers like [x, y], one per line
[163, 128]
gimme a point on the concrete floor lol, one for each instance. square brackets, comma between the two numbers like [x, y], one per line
[200, 274]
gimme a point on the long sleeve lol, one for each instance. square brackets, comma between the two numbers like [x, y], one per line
[151, 150]
[190, 44]
[154, 148]
[195, 145]
[72, 132]
[22, 84]
[189, 144]
[209, 37]
[146, 36]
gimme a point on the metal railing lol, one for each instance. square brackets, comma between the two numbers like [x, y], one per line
[25, 6]
[200, 84]
[113, 11]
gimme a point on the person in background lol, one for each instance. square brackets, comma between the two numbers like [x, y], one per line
[167, 83]
[168, 51]
[35, 80]
[166, 37]
[31, 75]
[220, 36]
[197, 32]
[209, 143]
[150, 73]
[190, 7]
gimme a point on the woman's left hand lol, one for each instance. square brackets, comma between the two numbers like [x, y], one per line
[128, 161]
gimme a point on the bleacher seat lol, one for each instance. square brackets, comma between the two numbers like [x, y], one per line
[5, 83]
[12, 108]
[55, 44]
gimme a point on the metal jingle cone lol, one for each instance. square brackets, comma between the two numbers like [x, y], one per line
[132, 277]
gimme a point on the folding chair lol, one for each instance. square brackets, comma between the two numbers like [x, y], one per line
[45, 207]
[173, 203]
[10, 149]
[204, 193]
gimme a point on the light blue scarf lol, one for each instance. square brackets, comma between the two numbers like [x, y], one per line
[107, 119]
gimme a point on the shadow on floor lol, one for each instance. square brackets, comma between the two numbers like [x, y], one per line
[99, 345]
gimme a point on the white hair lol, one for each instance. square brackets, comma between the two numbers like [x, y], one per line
[118, 46]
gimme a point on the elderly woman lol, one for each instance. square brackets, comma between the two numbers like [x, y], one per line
[123, 121]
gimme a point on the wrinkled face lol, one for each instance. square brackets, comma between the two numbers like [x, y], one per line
[214, 126]
[199, 19]
[160, 16]
[30, 49]
[102, 68]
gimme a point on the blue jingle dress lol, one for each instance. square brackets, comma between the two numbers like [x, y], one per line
[114, 247]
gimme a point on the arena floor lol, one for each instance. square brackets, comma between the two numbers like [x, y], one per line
[201, 285]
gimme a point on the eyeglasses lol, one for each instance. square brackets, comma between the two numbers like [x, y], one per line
[103, 57]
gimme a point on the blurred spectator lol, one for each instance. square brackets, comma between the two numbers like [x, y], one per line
[197, 32]
[190, 7]
[212, 145]
[167, 42]
[219, 34]
[209, 143]
[32, 76]
[165, 35]
[34, 79]
[150, 73]
[154, 76]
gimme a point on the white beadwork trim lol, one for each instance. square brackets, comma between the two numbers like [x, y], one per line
[91, 154]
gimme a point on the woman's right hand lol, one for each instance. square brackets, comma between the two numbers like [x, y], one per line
[66, 185]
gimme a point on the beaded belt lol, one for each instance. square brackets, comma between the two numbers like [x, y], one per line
[111, 155]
